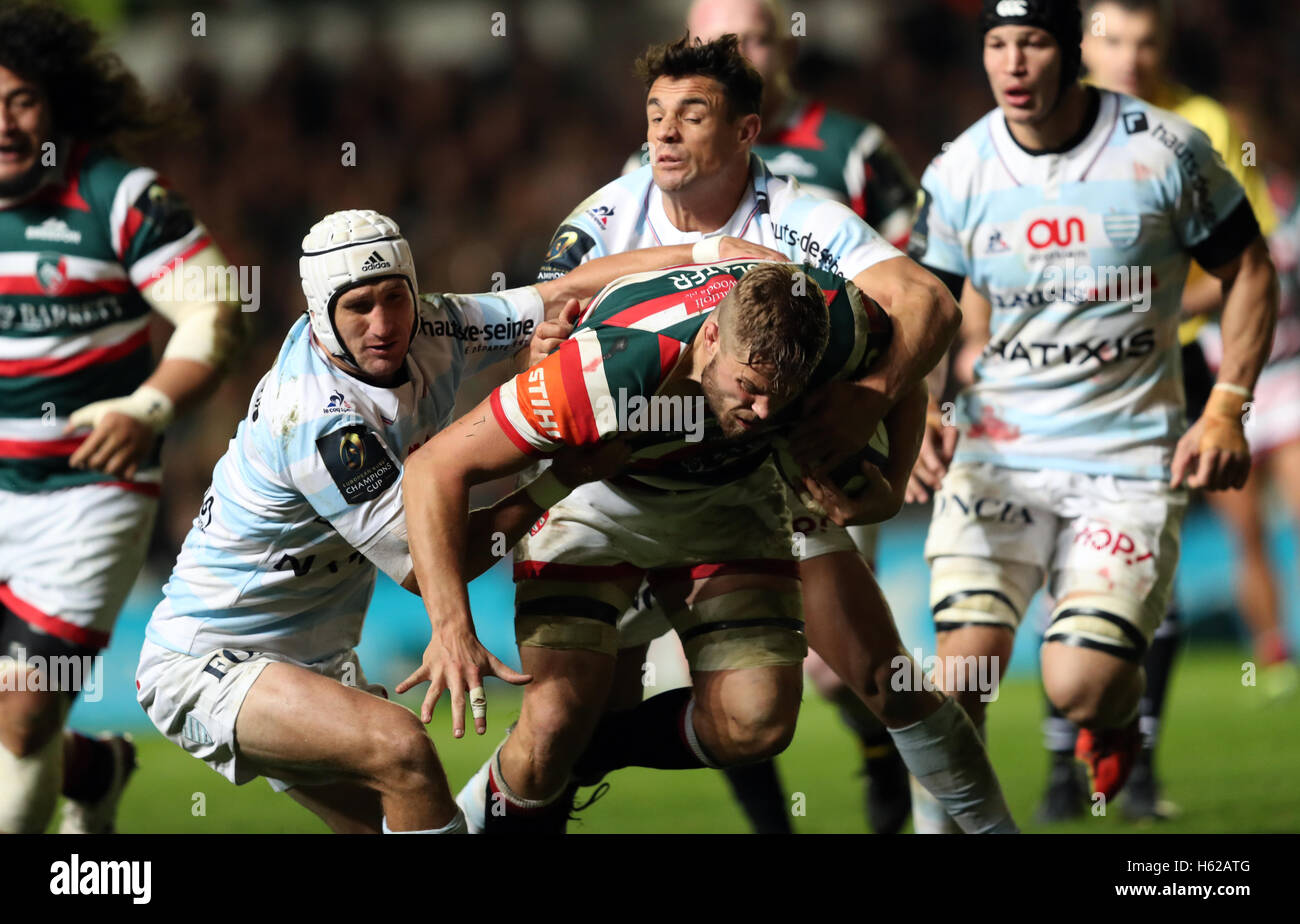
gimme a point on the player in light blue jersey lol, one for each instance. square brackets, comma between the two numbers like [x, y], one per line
[248, 662]
[1067, 218]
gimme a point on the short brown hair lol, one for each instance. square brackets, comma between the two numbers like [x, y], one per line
[776, 316]
[718, 60]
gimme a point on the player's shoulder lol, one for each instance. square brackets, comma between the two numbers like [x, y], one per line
[1160, 136]
[844, 131]
[615, 203]
[101, 175]
[958, 163]
[1206, 113]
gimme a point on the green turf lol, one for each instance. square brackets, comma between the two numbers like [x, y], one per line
[1228, 760]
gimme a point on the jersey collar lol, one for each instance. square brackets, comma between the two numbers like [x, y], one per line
[1048, 169]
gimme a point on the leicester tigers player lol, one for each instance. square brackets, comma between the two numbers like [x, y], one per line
[842, 157]
[1068, 217]
[87, 241]
[702, 120]
[705, 521]
[248, 662]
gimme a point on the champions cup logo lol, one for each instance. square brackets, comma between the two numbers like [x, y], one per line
[1051, 232]
[352, 452]
[562, 243]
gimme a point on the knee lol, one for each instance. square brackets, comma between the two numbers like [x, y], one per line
[755, 730]
[1092, 704]
[29, 721]
[403, 754]
[556, 732]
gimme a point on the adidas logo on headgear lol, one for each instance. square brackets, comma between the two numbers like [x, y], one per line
[374, 262]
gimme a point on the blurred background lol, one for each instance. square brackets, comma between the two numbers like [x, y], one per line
[480, 143]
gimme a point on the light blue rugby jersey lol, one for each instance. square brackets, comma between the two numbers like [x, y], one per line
[628, 214]
[307, 500]
[1082, 255]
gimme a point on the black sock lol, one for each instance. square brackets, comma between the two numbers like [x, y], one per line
[757, 788]
[874, 738]
[1159, 665]
[87, 767]
[652, 734]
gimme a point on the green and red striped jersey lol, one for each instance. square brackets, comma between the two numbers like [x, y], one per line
[631, 338]
[73, 325]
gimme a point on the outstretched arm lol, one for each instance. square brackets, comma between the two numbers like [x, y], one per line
[1213, 454]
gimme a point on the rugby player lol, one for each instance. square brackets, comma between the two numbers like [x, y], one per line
[89, 242]
[248, 662]
[703, 182]
[706, 524]
[850, 160]
[1068, 217]
[1124, 49]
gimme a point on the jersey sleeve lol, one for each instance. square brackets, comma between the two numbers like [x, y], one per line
[148, 224]
[491, 326]
[936, 241]
[576, 240]
[573, 396]
[350, 477]
[831, 237]
[1212, 217]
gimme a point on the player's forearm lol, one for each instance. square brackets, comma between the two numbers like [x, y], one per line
[905, 424]
[1249, 315]
[926, 319]
[437, 512]
[184, 381]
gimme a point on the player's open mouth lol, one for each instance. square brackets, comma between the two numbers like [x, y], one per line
[1017, 97]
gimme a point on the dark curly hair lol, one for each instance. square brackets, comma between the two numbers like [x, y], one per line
[719, 59]
[92, 96]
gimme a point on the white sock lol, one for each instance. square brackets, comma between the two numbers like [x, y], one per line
[455, 826]
[944, 752]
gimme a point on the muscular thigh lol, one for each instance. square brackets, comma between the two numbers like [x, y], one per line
[297, 725]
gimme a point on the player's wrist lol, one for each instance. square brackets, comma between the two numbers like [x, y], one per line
[707, 250]
[147, 405]
[1228, 401]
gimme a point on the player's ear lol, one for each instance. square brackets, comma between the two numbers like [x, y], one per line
[749, 128]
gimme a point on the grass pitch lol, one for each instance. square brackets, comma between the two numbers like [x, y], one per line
[1229, 760]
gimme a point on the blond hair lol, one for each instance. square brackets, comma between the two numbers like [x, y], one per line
[776, 317]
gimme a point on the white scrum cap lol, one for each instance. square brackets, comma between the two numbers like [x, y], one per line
[347, 249]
